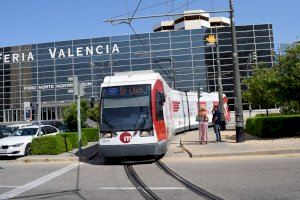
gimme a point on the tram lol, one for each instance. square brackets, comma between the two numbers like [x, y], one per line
[139, 113]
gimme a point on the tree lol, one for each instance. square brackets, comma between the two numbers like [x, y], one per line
[94, 113]
[288, 77]
[70, 115]
[259, 88]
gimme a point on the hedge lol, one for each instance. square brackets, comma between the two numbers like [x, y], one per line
[265, 115]
[274, 126]
[50, 145]
[57, 144]
[73, 138]
[92, 134]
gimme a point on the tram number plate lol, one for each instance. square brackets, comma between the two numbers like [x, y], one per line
[3, 151]
[105, 140]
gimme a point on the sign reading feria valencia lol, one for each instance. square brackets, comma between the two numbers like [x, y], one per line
[62, 53]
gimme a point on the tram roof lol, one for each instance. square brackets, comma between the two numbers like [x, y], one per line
[131, 78]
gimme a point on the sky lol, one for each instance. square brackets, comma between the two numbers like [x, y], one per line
[39, 21]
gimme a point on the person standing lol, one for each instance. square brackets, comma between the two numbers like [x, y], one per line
[203, 125]
[216, 120]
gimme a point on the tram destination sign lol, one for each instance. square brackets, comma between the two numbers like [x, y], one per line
[125, 91]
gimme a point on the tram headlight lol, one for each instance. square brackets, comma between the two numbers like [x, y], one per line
[146, 133]
[106, 135]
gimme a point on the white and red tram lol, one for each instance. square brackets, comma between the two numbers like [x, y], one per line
[139, 113]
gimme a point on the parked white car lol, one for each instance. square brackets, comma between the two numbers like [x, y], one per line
[18, 143]
[15, 127]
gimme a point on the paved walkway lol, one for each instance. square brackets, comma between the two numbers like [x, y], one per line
[252, 146]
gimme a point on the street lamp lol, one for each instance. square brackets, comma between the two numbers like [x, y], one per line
[212, 40]
[93, 65]
[251, 59]
[110, 64]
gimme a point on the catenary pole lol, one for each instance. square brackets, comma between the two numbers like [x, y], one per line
[79, 122]
[239, 121]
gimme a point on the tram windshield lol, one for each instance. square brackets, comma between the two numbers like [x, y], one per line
[126, 108]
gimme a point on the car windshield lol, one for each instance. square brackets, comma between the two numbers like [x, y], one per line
[57, 124]
[25, 132]
[126, 108]
[13, 128]
[4, 132]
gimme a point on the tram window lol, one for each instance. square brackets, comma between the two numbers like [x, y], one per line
[159, 102]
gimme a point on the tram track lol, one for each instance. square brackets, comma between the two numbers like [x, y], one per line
[148, 194]
[139, 184]
[192, 187]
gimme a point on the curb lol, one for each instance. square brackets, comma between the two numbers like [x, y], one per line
[251, 153]
[31, 159]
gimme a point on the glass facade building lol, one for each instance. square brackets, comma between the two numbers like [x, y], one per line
[47, 66]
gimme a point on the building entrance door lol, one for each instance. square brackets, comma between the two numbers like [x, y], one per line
[12, 115]
[52, 113]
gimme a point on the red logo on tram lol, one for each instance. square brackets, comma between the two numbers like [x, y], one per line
[125, 137]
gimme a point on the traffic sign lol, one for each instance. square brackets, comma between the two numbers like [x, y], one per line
[74, 80]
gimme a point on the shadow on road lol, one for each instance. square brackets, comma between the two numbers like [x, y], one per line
[11, 158]
[49, 195]
[99, 160]
[91, 155]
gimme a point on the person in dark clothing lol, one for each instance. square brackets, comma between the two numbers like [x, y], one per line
[217, 123]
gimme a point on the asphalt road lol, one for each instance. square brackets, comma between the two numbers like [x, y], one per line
[251, 177]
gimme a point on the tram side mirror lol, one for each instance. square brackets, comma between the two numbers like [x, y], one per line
[162, 98]
[159, 101]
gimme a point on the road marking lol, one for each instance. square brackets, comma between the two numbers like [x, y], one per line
[8, 186]
[150, 188]
[33, 184]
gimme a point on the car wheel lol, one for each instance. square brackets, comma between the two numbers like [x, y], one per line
[27, 150]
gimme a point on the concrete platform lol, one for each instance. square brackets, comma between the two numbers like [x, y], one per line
[252, 146]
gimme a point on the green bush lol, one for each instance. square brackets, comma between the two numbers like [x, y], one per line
[91, 134]
[274, 126]
[50, 145]
[290, 108]
[73, 138]
[270, 114]
[57, 144]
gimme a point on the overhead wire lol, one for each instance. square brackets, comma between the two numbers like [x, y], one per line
[129, 21]
[182, 6]
[145, 8]
[139, 39]
[156, 61]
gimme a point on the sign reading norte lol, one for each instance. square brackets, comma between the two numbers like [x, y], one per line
[61, 53]
[53, 86]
